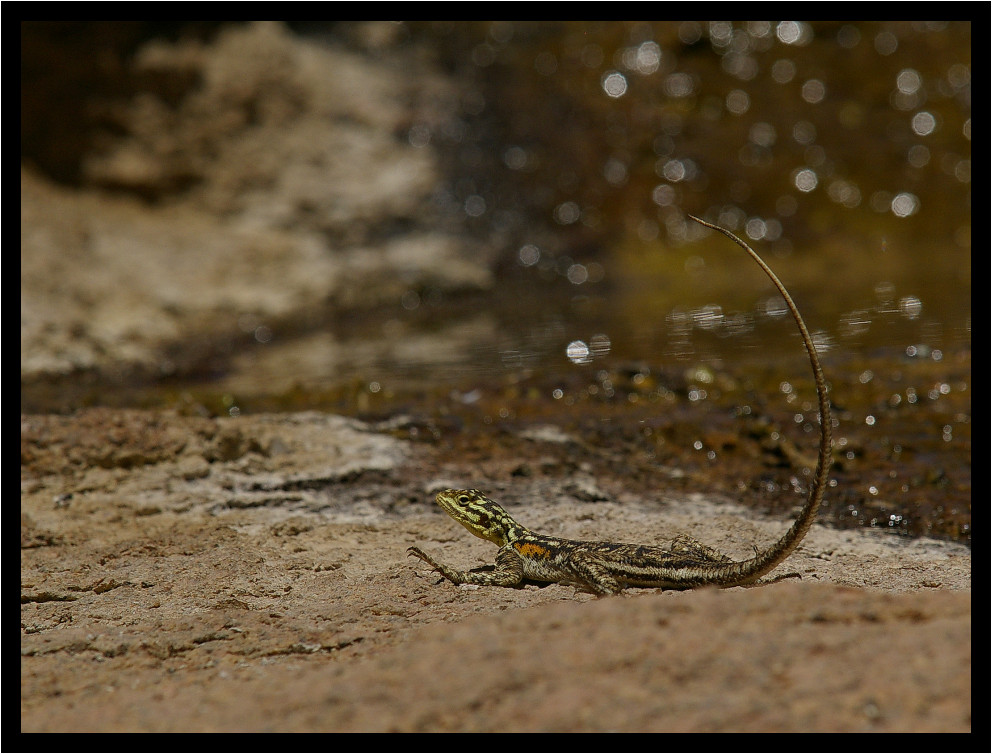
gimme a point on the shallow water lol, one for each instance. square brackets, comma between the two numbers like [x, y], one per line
[841, 152]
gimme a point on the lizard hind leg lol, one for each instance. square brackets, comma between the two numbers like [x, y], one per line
[683, 544]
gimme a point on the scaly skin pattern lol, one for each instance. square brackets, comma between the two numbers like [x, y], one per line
[608, 567]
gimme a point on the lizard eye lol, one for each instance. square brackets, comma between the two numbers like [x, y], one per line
[463, 499]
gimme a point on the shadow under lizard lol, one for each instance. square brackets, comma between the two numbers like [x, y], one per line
[608, 567]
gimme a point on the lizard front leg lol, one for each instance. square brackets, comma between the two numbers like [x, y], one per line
[509, 569]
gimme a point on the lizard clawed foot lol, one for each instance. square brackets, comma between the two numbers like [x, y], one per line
[435, 566]
[417, 552]
[784, 576]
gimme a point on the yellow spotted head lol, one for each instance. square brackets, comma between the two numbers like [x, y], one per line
[483, 517]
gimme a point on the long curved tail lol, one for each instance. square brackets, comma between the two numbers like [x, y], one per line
[764, 561]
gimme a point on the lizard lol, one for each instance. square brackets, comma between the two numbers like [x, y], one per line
[608, 567]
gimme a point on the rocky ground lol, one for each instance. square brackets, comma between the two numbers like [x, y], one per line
[186, 574]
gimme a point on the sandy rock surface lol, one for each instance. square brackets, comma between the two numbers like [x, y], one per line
[190, 574]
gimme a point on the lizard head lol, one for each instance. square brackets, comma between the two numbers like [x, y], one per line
[483, 517]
